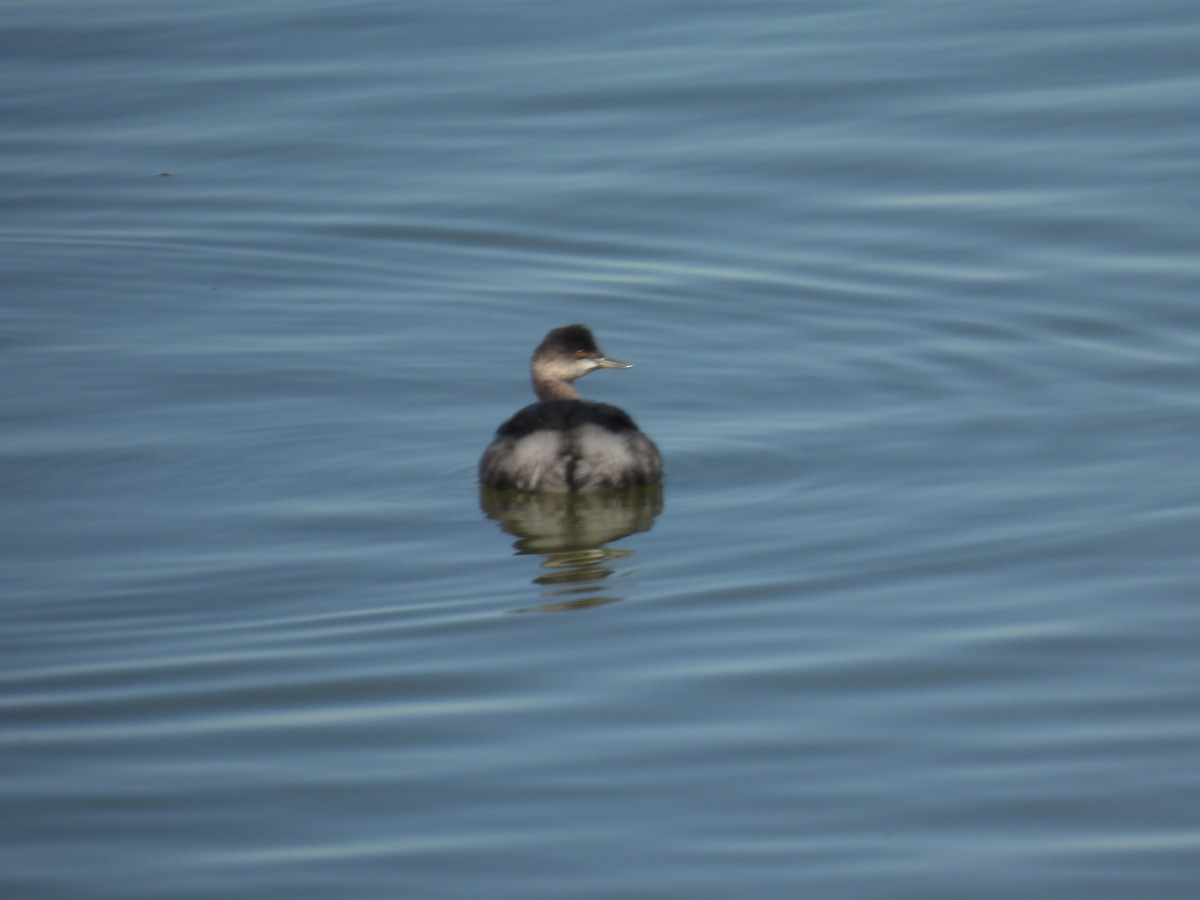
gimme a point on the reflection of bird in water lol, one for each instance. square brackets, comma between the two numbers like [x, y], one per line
[563, 444]
[570, 532]
[564, 523]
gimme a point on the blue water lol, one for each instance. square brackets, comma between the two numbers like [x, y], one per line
[913, 295]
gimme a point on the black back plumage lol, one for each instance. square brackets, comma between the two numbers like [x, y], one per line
[564, 415]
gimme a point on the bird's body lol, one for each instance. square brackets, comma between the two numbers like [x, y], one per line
[563, 444]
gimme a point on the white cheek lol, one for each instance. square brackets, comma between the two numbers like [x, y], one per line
[580, 367]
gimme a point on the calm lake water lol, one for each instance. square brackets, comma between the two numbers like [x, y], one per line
[913, 294]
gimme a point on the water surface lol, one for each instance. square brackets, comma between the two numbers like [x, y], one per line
[911, 294]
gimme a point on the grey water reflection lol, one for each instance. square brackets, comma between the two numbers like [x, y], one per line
[571, 533]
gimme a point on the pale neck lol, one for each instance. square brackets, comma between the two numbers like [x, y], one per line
[554, 389]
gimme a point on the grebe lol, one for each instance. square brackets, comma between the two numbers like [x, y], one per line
[563, 444]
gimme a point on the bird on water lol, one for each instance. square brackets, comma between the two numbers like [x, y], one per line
[562, 443]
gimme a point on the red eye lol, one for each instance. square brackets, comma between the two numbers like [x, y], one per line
[581, 354]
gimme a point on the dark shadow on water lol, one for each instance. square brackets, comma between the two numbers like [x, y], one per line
[569, 532]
